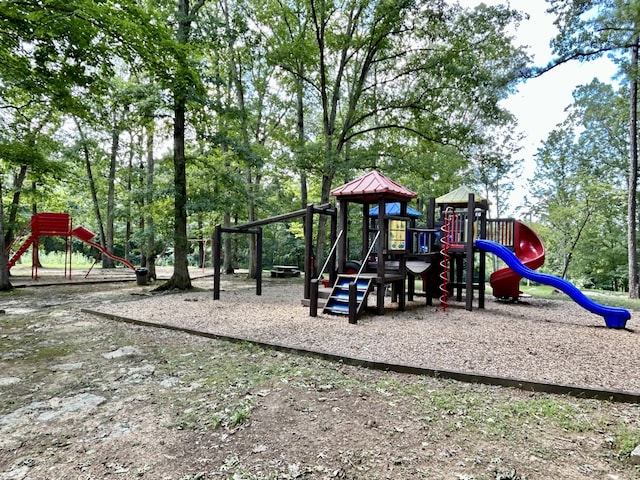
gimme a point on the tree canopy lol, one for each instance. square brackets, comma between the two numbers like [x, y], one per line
[152, 122]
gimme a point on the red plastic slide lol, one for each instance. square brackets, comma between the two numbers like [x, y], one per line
[530, 251]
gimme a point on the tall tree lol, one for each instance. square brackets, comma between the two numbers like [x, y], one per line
[390, 78]
[85, 148]
[580, 183]
[149, 221]
[632, 196]
[5, 282]
[494, 165]
[589, 29]
[31, 126]
[182, 87]
[14, 155]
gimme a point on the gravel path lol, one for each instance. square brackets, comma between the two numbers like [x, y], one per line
[541, 340]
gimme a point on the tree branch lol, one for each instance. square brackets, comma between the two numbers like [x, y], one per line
[579, 55]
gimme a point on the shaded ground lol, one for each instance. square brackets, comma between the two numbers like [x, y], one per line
[83, 398]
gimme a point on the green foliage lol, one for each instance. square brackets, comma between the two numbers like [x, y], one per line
[387, 114]
[55, 48]
[580, 189]
[282, 100]
[588, 30]
[17, 153]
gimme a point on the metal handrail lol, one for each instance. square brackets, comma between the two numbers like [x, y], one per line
[333, 248]
[364, 261]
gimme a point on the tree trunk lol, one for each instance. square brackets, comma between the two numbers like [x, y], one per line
[92, 183]
[228, 252]
[322, 223]
[108, 262]
[633, 174]
[251, 216]
[251, 185]
[180, 278]
[13, 211]
[150, 236]
[5, 283]
[304, 195]
[127, 236]
[202, 245]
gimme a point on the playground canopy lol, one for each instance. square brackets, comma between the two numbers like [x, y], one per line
[371, 188]
[458, 197]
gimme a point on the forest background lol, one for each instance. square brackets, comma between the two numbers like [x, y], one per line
[151, 122]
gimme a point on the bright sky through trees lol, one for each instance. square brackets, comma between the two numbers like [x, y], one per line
[540, 103]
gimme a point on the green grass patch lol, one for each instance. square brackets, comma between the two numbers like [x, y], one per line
[557, 411]
[57, 260]
[48, 353]
[491, 412]
[614, 299]
[625, 440]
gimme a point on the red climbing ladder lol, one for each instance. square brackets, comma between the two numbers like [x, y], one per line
[449, 228]
[54, 225]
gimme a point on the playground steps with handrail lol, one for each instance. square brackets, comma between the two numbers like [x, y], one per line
[18, 239]
[23, 248]
[338, 301]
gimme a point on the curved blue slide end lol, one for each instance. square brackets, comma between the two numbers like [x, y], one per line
[614, 317]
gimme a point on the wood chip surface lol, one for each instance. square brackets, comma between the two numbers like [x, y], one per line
[540, 340]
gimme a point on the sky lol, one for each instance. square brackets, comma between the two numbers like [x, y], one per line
[540, 103]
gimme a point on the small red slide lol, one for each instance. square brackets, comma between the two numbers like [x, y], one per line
[87, 235]
[530, 251]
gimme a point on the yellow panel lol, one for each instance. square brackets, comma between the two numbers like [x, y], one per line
[397, 235]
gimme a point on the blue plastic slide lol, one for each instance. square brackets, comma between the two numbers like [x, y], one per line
[614, 317]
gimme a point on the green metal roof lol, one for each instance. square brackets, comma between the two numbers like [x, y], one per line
[459, 196]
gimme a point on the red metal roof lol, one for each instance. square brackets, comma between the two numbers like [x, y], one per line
[373, 186]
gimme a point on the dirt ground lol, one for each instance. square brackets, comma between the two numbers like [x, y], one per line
[82, 397]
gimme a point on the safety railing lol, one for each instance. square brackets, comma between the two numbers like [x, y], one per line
[501, 230]
[313, 294]
[364, 260]
[18, 240]
[330, 256]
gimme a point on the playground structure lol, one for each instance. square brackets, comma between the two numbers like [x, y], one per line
[255, 228]
[395, 251]
[53, 225]
[448, 253]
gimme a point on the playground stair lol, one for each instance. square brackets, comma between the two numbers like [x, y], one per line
[23, 248]
[338, 301]
[323, 295]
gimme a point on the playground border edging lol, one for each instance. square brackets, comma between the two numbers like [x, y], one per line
[618, 396]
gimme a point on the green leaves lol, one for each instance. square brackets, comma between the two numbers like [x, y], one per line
[580, 184]
[588, 29]
[60, 48]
